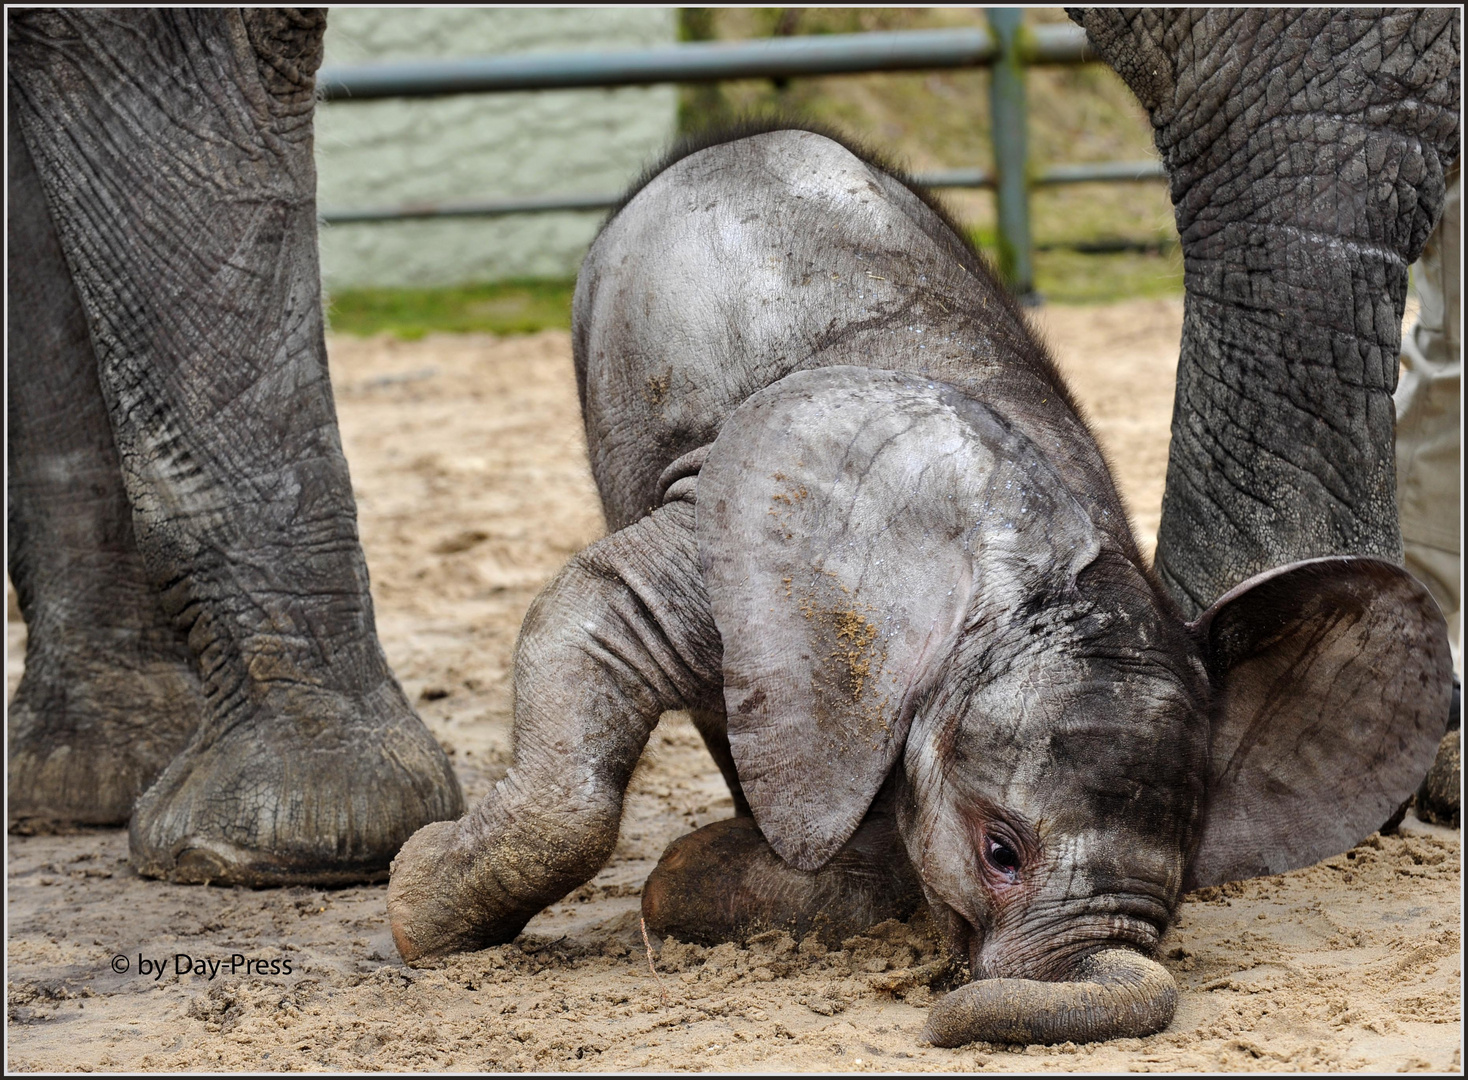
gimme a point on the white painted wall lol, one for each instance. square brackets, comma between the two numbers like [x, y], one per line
[480, 146]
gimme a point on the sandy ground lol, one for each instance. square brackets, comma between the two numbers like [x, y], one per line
[471, 479]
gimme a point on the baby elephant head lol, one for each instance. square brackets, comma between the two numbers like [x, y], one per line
[906, 585]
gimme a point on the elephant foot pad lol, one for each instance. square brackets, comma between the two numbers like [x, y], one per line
[725, 883]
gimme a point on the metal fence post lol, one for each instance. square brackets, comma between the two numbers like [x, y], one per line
[1011, 153]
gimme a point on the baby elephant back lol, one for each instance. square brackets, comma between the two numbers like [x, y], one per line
[752, 259]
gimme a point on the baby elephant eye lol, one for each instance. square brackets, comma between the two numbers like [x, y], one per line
[1001, 856]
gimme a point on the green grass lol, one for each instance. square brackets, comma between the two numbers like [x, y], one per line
[501, 307]
[1064, 276]
[528, 306]
[1071, 277]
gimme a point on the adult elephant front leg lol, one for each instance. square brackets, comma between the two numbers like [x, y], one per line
[174, 152]
[1307, 149]
[109, 695]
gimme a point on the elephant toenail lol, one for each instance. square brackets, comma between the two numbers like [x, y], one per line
[675, 857]
[198, 866]
[406, 949]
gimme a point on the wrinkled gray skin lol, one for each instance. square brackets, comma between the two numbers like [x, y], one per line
[201, 653]
[1306, 149]
[855, 514]
[860, 530]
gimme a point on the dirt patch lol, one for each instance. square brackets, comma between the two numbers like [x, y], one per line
[469, 465]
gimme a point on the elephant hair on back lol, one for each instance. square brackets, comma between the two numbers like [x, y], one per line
[951, 233]
[717, 135]
[984, 307]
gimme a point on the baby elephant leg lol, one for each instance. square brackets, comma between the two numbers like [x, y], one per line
[622, 634]
[713, 725]
[725, 883]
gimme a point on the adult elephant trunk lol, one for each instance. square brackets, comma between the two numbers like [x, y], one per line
[1115, 994]
[1306, 149]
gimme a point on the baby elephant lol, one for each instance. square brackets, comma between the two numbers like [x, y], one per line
[860, 531]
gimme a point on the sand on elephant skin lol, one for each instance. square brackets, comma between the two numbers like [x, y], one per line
[469, 466]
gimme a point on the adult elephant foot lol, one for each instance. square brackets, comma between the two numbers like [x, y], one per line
[110, 695]
[1439, 799]
[88, 736]
[322, 788]
[725, 883]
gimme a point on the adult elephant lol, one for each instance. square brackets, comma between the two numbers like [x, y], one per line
[202, 656]
[1307, 150]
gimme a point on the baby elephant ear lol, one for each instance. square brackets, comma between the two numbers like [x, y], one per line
[839, 513]
[1333, 678]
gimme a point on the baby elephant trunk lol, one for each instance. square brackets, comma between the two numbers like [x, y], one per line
[1115, 994]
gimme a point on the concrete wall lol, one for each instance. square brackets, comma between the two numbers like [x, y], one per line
[481, 146]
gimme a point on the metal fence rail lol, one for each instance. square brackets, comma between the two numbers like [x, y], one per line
[771, 58]
[1007, 47]
[1109, 171]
